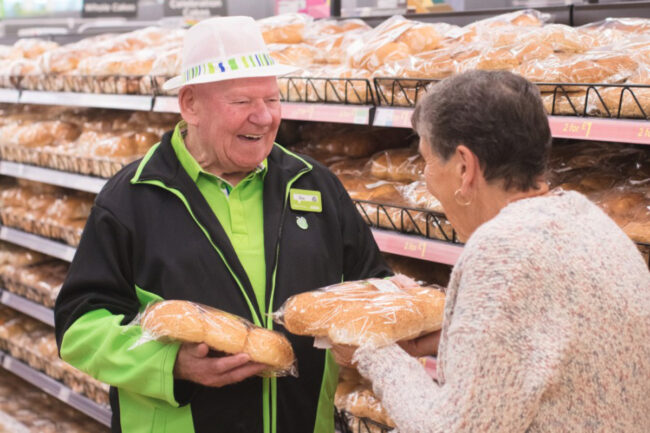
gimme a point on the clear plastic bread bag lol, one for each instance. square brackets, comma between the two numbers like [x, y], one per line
[373, 312]
[225, 333]
[285, 28]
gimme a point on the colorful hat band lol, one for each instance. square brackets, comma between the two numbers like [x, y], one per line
[247, 61]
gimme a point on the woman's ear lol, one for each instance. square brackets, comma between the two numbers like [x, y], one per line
[469, 168]
[187, 103]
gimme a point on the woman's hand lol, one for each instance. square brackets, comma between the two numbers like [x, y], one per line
[426, 345]
[194, 364]
[343, 354]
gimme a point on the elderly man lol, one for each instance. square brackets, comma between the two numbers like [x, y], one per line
[216, 213]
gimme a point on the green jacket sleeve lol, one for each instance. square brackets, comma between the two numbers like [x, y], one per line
[97, 301]
[99, 345]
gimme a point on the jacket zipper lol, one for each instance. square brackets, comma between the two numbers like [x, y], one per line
[269, 385]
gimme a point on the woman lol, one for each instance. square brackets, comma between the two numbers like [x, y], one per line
[547, 321]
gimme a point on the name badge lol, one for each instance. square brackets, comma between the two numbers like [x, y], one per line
[305, 200]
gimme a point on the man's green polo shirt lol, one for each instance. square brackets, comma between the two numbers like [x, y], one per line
[239, 210]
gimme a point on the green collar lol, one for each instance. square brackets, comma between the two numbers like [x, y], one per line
[190, 164]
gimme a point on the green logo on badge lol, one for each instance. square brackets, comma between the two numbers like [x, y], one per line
[302, 222]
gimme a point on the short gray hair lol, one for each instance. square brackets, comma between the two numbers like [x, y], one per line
[498, 115]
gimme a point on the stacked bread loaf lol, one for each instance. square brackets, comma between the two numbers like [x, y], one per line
[195, 323]
[367, 312]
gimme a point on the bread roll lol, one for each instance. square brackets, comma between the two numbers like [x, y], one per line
[179, 320]
[420, 38]
[222, 331]
[402, 165]
[374, 312]
[270, 348]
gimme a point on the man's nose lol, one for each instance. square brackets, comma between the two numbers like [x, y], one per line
[261, 114]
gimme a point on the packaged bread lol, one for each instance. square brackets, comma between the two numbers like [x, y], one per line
[373, 312]
[631, 101]
[31, 48]
[285, 28]
[562, 101]
[380, 45]
[224, 332]
[402, 165]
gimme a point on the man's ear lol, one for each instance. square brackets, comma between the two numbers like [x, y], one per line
[188, 104]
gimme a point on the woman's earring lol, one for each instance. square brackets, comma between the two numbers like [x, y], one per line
[457, 193]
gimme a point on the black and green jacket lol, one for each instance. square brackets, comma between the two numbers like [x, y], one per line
[152, 235]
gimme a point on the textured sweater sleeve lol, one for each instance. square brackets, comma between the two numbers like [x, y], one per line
[498, 354]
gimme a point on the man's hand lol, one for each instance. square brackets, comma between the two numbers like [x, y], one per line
[193, 364]
[343, 354]
[425, 345]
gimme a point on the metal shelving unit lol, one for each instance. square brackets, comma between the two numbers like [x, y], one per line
[31, 308]
[55, 388]
[96, 100]
[53, 177]
[38, 243]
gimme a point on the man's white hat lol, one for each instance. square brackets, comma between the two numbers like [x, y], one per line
[224, 48]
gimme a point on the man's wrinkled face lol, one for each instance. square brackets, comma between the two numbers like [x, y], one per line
[239, 120]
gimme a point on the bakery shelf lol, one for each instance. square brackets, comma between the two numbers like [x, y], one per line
[53, 177]
[337, 113]
[417, 247]
[10, 96]
[326, 89]
[166, 104]
[97, 100]
[580, 128]
[37, 243]
[94, 410]
[37, 311]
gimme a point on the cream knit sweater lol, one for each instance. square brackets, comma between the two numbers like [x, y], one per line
[547, 329]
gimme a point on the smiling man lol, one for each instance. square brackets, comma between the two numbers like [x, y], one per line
[216, 213]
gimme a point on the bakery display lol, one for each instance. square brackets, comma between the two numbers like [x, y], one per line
[368, 312]
[45, 210]
[26, 409]
[223, 332]
[87, 141]
[340, 59]
[33, 342]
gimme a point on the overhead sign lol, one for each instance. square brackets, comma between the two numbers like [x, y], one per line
[315, 8]
[195, 8]
[109, 8]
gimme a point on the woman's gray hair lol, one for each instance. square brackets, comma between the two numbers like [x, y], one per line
[498, 115]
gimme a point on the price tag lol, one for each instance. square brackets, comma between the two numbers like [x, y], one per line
[577, 129]
[644, 132]
[5, 297]
[63, 394]
[414, 248]
[6, 363]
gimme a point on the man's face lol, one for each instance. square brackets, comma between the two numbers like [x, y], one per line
[238, 119]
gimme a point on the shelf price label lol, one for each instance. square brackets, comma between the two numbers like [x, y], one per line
[5, 297]
[644, 132]
[402, 118]
[6, 363]
[397, 117]
[413, 248]
[577, 129]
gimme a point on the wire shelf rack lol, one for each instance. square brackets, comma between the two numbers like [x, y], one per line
[326, 90]
[345, 422]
